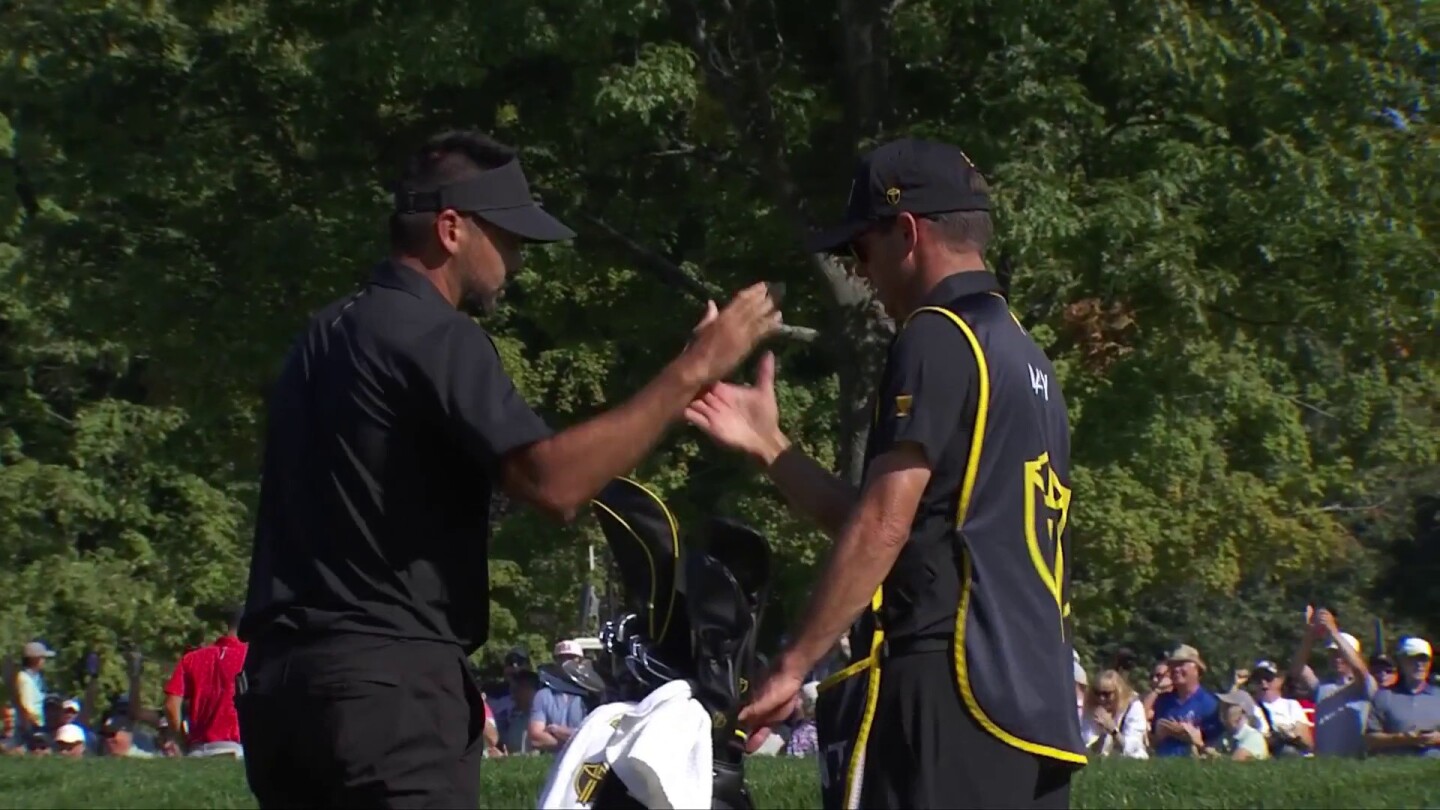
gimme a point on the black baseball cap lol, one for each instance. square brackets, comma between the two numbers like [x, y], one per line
[500, 196]
[517, 658]
[114, 722]
[910, 174]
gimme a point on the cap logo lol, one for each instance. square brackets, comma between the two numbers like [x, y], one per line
[892, 195]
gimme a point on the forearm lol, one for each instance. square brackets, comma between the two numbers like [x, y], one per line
[172, 712]
[562, 473]
[1301, 657]
[1388, 741]
[810, 489]
[541, 740]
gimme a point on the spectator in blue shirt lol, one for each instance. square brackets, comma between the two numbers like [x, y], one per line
[1405, 720]
[1188, 708]
[556, 713]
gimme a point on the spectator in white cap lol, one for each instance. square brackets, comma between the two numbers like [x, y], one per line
[70, 741]
[1287, 730]
[1406, 720]
[70, 715]
[1343, 703]
[30, 688]
[568, 650]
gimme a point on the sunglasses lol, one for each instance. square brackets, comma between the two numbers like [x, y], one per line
[1105, 693]
[1266, 676]
[857, 245]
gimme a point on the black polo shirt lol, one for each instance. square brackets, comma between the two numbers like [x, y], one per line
[384, 434]
[928, 396]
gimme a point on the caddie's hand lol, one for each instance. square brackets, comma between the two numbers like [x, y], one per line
[743, 417]
[775, 700]
[721, 343]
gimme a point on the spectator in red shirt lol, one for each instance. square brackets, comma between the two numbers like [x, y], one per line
[206, 678]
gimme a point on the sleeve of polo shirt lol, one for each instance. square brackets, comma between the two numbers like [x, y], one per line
[540, 707]
[475, 395]
[932, 374]
[176, 685]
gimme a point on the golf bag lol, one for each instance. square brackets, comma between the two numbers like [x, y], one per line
[690, 614]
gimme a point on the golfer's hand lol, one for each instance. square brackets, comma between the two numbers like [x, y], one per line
[774, 701]
[725, 338]
[743, 417]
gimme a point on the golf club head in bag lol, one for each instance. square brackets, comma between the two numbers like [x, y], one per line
[692, 615]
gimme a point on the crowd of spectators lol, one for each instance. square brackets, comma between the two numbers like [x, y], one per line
[1364, 706]
[197, 719]
[1378, 706]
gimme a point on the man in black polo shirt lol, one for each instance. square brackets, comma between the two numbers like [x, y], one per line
[389, 428]
[949, 566]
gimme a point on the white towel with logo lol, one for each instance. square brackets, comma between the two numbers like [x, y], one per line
[580, 765]
[660, 748]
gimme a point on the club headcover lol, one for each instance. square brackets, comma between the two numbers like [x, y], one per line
[696, 612]
[581, 672]
[552, 676]
[727, 586]
[644, 541]
[746, 554]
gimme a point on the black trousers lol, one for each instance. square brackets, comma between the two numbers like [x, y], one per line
[360, 721]
[925, 750]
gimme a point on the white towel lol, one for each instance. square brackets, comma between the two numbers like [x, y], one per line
[580, 765]
[660, 748]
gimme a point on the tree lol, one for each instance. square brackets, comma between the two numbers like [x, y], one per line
[1220, 221]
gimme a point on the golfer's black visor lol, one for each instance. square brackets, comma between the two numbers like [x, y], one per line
[500, 196]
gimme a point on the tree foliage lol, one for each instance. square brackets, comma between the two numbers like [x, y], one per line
[1221, 219]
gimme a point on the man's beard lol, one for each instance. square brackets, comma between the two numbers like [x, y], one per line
[476, 302]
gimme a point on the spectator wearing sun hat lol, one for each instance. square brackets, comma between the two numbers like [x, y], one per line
[1189, 711]
[1405, 720]
[1240, 740]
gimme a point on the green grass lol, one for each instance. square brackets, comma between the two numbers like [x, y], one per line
[776, 784]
